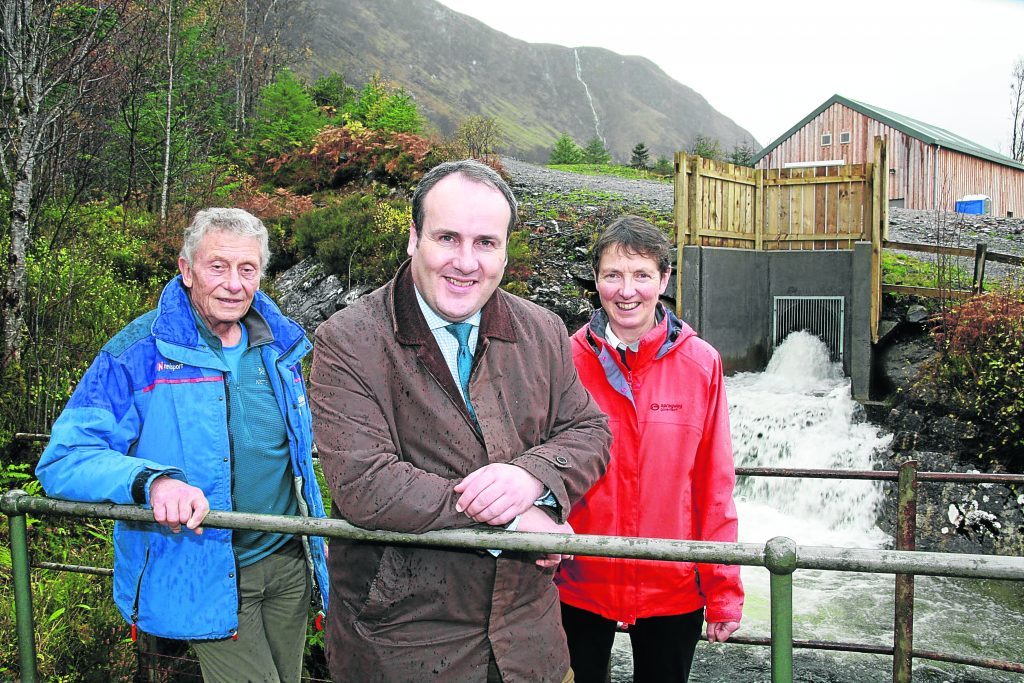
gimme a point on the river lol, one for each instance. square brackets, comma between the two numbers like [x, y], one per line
[798, 413]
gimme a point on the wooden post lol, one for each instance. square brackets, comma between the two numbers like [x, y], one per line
[980, 251]
[876, 238]
[758, 208]
[680, 214]
[696, 201]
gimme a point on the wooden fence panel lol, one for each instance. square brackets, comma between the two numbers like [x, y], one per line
[790, 209]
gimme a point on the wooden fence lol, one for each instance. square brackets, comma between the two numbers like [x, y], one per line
[825, 207]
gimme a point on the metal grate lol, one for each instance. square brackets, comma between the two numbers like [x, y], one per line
[822, 316]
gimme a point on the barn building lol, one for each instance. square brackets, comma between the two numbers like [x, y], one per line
[930, 168]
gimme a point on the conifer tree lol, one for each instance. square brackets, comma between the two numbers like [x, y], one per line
[596, 153]
[565, 151]
[640, 156]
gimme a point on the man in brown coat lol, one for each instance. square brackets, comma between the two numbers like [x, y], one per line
[441, 402]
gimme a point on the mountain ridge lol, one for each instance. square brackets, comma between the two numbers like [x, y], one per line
[455, 66]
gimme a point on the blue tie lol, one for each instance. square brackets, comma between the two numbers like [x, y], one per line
[465, 359]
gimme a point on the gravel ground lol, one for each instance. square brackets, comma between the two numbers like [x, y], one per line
[1004, 235]
[529, 180]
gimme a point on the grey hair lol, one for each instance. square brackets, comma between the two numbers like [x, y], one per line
[235, 221]
[634, 235]
[471, 169]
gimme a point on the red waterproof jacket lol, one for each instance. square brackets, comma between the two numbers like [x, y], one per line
[671, 475]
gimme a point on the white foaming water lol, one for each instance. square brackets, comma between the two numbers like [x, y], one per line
[798, 414]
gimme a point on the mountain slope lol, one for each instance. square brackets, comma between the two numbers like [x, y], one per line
[456, 66]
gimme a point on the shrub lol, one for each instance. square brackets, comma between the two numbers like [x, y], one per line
[89, 273]
[707, 147]
[520, 262]
[340, 155]
[596, 153]
[640, 156]
[981, 367]
[360, 239]
[663, 166]
[387, 108]
[286, 118]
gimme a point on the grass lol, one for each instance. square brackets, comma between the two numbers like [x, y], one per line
[613, 170]
[903, 269]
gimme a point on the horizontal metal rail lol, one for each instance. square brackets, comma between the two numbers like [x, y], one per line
[806, 557]
[865, 648]
[749, 554]
[881, 475]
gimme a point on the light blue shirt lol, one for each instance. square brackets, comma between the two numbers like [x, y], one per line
[446, 340]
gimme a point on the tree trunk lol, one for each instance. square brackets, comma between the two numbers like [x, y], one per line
[13, 308]
[170, 108]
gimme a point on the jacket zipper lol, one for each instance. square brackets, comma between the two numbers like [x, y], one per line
[138, 594]
[231, 464]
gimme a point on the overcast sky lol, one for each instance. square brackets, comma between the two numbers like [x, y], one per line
[766, 65]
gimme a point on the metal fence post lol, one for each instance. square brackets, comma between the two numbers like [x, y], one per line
[22, 586]
[903, 619]
[780, 560]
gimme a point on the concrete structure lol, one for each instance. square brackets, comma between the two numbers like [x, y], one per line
[728, 297]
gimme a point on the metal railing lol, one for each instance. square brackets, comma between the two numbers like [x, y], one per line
[780, 556]
[907, 479]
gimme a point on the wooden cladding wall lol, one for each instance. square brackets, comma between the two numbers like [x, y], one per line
[961, 174]
[722, 205]
[915, 177]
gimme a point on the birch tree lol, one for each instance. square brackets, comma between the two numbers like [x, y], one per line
[169, 54]
[1017, 110]
[49, 52]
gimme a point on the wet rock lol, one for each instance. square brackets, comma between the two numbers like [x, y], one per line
[917, 314]
[309, 295]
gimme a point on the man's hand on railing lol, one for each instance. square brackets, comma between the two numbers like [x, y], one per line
[175, 503]
[719, 632]
[494, 494]
[537, 520]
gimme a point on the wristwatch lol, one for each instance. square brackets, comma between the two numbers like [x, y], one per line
[139, 485]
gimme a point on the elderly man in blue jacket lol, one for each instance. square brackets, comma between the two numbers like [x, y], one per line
[198, 405]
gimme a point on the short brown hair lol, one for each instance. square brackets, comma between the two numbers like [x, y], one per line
[633, 235]
[471, 169]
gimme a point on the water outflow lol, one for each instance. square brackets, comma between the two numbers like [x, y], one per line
[586, 89]
[798, 414]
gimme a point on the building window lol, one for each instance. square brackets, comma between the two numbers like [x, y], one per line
[844, 137]
[826, 139]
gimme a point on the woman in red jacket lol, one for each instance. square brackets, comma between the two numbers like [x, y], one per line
[671, 473]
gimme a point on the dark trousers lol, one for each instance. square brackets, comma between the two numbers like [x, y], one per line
[662, 646]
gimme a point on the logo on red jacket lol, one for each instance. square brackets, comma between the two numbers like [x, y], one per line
[666, 406]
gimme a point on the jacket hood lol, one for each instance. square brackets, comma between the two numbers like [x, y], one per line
[664, 338]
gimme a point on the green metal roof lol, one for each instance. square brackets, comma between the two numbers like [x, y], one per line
[927, 133]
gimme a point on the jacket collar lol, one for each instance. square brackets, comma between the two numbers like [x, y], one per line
[411, 327]
[669, 333]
